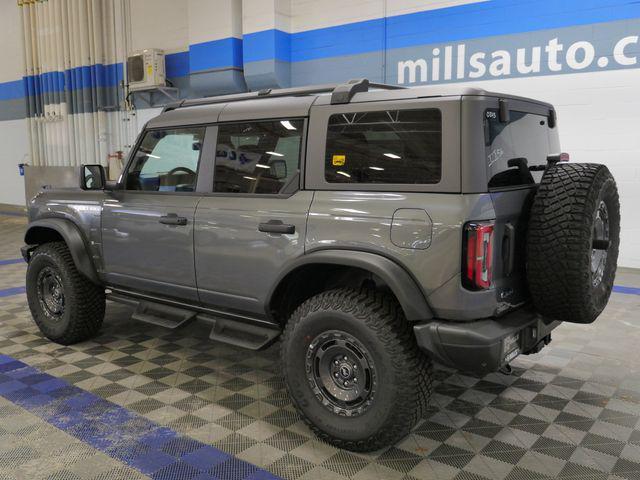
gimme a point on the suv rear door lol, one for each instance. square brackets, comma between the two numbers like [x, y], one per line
[254, 218]
[147, 224]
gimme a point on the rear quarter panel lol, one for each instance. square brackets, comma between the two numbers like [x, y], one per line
[360, 220]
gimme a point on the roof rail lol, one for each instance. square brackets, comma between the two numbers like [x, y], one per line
[345, 92]
[340, 93]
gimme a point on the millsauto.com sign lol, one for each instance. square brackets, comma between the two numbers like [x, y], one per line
[608, 46]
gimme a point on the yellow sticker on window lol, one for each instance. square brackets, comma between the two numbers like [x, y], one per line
[338, 160]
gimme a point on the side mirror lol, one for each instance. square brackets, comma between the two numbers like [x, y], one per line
[278, 169]
[92, 177]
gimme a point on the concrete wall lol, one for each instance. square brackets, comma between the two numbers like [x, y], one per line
[580, 56]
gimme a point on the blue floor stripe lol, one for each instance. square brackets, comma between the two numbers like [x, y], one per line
[626, 290]
[7, 292]
[11, 261]
[154, 450]
[13, 214]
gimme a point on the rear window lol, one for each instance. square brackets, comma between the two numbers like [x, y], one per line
[525, 136]
[387, 146]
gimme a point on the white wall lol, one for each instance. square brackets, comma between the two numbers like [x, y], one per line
[13, 134]
[15, 150]
[159, 24]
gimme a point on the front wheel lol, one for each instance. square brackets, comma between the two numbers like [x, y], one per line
[65, 305]
[354, 370]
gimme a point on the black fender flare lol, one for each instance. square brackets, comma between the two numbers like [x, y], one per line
[401, 283]
[72, 237]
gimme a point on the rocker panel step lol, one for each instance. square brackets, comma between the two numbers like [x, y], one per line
[162, 315]
[252, 337]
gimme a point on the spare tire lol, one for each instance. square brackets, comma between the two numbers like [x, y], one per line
[572, 242]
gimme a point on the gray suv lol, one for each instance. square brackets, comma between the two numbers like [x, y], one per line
[372, 229]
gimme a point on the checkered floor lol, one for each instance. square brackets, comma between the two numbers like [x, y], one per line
[572, 411]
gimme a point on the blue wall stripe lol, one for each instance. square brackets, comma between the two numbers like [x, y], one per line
[176, 64]
[215, 54]
[8, 292]
[11, 90]
[89, 76]
[502, 17]
[130, 438]
[476, 20]
[11, 261]
[267, 45]
[486, 19]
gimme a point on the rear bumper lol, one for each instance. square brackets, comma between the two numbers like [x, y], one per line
[484, 346]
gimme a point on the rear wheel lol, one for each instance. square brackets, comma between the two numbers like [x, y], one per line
[573, 239]
[353, 369]
[65, 305]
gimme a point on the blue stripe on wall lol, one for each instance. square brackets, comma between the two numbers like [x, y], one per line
[502, 17]
[267, 45]
[130, 438]
[176, 64]
[90, 76]
[215, 54]
[477, 20]
[492, 18]
[11, 90]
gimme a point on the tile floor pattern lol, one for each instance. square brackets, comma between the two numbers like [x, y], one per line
[572, 411]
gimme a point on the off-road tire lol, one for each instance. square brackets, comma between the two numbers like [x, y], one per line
[84, 302]
[405, 374]
[559, 242]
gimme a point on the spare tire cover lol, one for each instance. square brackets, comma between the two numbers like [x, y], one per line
[572, 242]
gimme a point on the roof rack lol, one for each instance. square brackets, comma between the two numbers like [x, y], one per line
[340, 93]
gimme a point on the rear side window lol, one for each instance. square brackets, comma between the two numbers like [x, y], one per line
[526, 136]
[257, 157]
[388, 146]
[166, 161]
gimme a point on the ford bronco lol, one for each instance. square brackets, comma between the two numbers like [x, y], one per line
[372, 229]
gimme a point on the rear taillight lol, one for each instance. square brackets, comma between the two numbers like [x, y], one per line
[478, 255]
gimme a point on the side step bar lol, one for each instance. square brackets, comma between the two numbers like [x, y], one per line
[238, 332]
[162, 315]
[252, 337]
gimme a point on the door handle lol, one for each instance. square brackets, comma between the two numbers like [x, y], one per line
[276, 226]
[173, 219]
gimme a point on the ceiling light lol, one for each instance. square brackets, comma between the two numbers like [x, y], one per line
[392, 155]
[345, 174]
[379, 169]
[260, 165]
[287, 124]
[249, 178]
[276, 154]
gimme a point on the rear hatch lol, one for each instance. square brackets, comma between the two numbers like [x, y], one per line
[516, 148]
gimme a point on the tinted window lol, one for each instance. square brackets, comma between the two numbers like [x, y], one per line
[525, 136]
[389, 146]
[257, 157]
[166, 160]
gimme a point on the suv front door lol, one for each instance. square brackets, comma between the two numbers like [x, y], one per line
[147, 224]
[254, 220]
